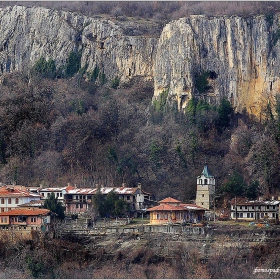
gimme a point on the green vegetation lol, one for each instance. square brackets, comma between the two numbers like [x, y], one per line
[44, 69]
[235, 186]
[55, 206]
[111, 206]
[115, 83]
[269, 18]
[94, 74]
[224, 114]
[73, 64]
[103, 78]
[160, 102]
[201, 82]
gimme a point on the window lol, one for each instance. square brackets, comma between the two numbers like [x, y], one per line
[245, 207]
[57, 194]
[60, 194]
[16, 200]
[9, 201]
[77, 205]
[259, 207]
[43, 194]
[128, 197]
[205, 181]
[267, 207]
[33, 219]
[252, 215]
[273, 215]
[49, 194]
[2, 209]
[202, 195]
[253, 207]
[248, 215]
[2, 201]
[201, 203]
[81, 205]
[240, 207]
[241, 215]
[22, 219]
[9, 208]
[273, 206]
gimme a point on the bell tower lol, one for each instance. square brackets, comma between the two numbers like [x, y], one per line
[205, 189]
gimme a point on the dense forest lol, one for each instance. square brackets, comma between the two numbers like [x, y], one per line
[60, 130]
[58, 126]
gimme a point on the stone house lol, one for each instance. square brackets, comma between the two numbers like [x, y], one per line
[171, 210]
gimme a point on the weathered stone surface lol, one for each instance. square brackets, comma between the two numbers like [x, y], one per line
[242, 55]
[26, 34]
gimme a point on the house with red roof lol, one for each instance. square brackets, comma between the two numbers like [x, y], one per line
[23, 217]
[171, 210]
[12, 196]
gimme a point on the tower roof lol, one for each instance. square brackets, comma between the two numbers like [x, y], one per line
[206, 172]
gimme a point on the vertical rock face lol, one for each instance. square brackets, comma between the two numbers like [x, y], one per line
[209, 58]
[26, 34]
[238, 56]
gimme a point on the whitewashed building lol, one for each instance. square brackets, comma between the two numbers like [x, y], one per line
[242, 209]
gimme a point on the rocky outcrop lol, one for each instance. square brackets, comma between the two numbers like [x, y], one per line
[26, 34]
[211, 58]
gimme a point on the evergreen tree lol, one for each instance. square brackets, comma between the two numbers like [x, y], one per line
[55, 206]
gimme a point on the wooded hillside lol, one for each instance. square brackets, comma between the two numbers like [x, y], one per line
[55, 131]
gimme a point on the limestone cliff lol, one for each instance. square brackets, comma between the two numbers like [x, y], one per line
[26, 34]
[239, 58]
[196, 56]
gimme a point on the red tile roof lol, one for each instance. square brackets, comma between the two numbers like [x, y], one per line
[25, 212]
[167, 207]
[180, 207]
[170, 200]
[10, 192]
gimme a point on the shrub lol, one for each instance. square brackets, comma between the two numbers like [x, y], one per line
[160, 102]
[73, 64]
[45, 69]
[201, 82]
[115, 83]
[94, 74]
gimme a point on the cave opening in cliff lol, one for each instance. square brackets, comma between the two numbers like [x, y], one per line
[213, 75]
